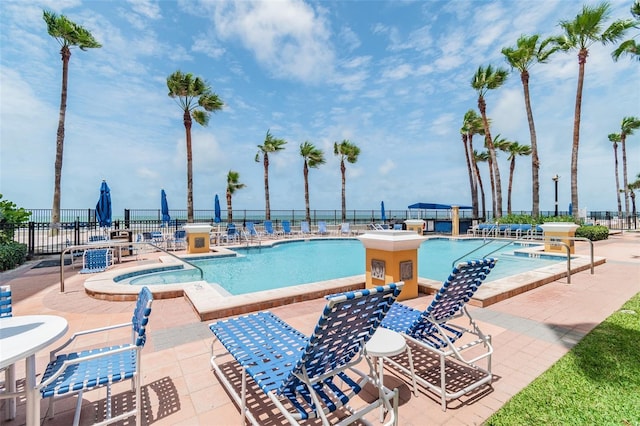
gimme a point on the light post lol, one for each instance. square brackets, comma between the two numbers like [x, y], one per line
[555, 180]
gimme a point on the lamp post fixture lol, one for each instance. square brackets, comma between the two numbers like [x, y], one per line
[555, 180]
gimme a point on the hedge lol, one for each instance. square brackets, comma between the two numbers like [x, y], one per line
[12, 254]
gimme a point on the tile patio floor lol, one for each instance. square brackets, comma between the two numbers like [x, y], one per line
[529, 333]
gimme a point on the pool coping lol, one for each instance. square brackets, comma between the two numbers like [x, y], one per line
[211, 303]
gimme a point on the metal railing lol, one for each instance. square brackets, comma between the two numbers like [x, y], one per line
[556, 241]
[41, 239]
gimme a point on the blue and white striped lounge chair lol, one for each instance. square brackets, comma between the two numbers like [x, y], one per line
[231, 235]
[322, 228]
[76, 372]
[10, 390]
[304, 228]
[432, 330]
[97, 239]
[286, 228]
[308, 377]
[269, 231]
[96, 260]
[345, 229]
[180, 239]
[253, 232]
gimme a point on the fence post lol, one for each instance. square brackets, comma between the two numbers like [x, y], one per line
[31, 239]
[76, 231]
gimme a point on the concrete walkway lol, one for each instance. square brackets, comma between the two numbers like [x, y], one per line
[529, 331]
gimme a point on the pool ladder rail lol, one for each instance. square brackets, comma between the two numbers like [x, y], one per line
[530, 239]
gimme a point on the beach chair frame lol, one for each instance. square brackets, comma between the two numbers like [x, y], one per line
[308, 377]
[433, 330]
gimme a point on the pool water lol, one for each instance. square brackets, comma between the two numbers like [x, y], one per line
[301, 262]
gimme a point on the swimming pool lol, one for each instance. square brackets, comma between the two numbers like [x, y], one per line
[289, 263]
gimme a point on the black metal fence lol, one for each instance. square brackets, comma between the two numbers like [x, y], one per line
[79, 225]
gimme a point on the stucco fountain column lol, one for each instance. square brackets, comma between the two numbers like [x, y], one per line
[562, 231]
[392, 256]
[197, 238]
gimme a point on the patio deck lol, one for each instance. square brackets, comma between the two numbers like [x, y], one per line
[530, 331]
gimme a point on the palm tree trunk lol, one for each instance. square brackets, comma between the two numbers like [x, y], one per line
[512, 168]
[535, 161]
[187, 129]
[267, 206]
[496, 188]
[582, 59]
[344, 197]
[55, 209]
[306, 192]
[493, 186]
[615, 156]
[484, 207]
[623, 138]
[229, 210]
[474, 192]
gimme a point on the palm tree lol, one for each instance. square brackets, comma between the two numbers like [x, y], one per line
[499, 144]
[270, 144]
[634, 186]
[347, 151]
[630, 47]
[196, 100]
[68, 34]
[233, 184]
[484, 80]
[479, 157]
[526, 53]
[579, 34]
[464, 132]
[629, 124]
[615, 138]
[313, 157]
[476, 127]
[514, 149]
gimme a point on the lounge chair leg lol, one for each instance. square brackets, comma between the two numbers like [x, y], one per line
[76, 415]
[413, 373]
[443, 383]
[243, 408]
[137, 381]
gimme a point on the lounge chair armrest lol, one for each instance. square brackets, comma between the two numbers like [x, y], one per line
[79, 360]
[85, 332]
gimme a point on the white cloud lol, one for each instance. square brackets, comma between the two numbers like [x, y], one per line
[288, 38]
[204, 44]
[146, 8]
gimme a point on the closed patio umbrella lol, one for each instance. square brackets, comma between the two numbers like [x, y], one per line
[164, 207]
[383, 215]
[103, 208]
[217, 218]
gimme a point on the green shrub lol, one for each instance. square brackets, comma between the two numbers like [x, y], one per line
[12, 254]
[10, 216]
[518, 219]
[594, 233]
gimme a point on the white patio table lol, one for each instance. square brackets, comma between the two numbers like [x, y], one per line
[21, 337]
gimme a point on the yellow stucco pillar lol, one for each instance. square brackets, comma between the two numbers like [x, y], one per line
[455, 220]
[562, 231]
[392, 256]
[197, 238]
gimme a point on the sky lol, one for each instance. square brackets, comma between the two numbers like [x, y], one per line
[392, 77]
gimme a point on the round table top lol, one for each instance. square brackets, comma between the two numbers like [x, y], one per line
[385, 342]
[24, 335]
